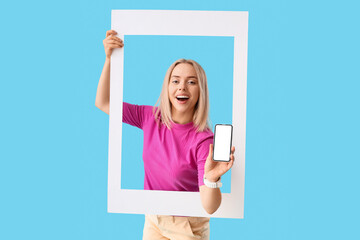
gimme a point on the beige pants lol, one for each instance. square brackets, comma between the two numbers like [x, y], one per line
[161, 227]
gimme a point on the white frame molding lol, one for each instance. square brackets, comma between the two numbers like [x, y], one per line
[184, 23]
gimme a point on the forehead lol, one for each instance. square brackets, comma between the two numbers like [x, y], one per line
[183, 69]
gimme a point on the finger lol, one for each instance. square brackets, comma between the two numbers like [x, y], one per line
[230, 164]
[110, 32]
[113, 42]
[110, 37]
[233, 149]
[115, 38]
[211, 149]
[112, 46]
[107, 42]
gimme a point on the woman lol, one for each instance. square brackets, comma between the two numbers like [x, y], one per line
[177, 143]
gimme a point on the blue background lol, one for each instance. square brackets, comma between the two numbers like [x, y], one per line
[146, 60]
[302, 152]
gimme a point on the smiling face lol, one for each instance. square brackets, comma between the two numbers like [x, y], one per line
[183, 92]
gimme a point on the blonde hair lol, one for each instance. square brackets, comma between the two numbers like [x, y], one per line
[201, 111]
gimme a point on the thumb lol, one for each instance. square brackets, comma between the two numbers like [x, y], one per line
[211, 150]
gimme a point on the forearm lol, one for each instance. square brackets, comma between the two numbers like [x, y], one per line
[103, 91]
[210, 198]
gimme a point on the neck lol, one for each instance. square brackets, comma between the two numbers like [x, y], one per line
[181, 118]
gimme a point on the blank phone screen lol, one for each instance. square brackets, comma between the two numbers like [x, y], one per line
[222, 142]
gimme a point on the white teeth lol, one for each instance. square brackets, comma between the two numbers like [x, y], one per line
[182, 97]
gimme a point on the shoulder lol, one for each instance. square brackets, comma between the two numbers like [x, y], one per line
[203, 141]
[204, 138]
[149, 113]
[205, 134]
[146, 109]
[137, 113]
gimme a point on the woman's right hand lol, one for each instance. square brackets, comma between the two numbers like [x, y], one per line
[111, 42]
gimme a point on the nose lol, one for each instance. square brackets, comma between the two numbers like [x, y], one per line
[182, 86]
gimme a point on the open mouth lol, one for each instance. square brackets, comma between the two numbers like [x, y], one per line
[182, 99]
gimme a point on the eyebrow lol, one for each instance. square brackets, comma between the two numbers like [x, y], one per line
[187, 77]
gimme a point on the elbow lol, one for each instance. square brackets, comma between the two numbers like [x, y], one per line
[211, 206]
[210, 199]
[102, 107]
[98, 106]
[211, 210]
[96, 103]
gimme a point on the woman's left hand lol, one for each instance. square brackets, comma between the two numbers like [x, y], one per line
[214, 170]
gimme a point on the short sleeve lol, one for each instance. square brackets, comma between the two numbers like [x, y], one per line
[201, 155]
[135, 115]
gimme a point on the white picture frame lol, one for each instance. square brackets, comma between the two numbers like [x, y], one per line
[184, 23]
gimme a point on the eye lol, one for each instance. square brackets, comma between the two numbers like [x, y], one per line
[174, 81]
[191, 82]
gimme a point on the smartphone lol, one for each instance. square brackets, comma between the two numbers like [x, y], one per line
[222, 142]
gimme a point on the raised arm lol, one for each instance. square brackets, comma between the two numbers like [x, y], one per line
[102, 100]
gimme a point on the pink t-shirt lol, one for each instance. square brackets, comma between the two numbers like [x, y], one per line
[173, 159]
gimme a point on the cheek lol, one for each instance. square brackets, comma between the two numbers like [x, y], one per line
[170, 90]
[197, 94]
[170, 94]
